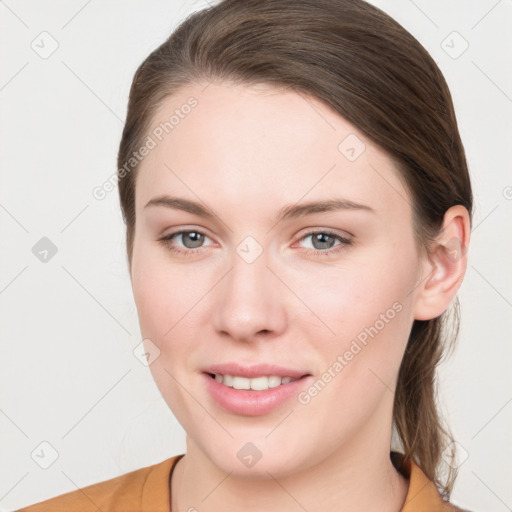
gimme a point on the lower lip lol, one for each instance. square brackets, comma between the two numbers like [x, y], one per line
[251, 402]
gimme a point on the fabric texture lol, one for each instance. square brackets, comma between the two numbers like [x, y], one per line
[148, 490]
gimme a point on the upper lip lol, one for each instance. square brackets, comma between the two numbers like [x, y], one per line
[257, 370]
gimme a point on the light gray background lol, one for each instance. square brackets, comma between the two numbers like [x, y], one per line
[69, 326]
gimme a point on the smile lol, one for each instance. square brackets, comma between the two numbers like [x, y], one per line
[256, 383]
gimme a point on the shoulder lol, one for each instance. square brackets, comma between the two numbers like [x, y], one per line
[450, 507]
[128, 492]
[422, 494]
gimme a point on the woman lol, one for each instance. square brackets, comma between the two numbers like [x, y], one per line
[298, 211]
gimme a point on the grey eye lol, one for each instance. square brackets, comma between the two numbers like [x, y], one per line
[191, 239]
[319, 240]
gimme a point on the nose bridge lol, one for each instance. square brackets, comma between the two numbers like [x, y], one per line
[249, 301]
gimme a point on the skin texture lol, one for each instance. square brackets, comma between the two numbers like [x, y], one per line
[246, 152]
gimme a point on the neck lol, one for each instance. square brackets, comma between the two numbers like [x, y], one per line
[358, 480]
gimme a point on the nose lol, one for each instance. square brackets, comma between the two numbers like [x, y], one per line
[249, 301]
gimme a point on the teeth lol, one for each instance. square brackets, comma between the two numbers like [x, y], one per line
[256, 383]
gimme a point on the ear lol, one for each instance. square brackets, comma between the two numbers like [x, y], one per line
[444, 268]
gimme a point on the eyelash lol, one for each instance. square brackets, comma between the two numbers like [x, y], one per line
[166, 241]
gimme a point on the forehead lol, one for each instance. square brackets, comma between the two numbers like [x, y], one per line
[261, 143]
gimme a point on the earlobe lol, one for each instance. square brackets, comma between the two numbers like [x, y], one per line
[446, 265]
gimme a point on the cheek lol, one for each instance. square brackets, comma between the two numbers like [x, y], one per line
[169, 300]
[363, 318]
[361, 360]
[163, 293]
[342, 302]
[163, 298]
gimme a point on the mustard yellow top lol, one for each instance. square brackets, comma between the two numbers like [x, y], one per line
[148, 490]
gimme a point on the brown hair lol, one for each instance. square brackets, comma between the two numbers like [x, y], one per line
[375, 74]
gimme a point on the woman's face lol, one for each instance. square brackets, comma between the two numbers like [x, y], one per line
[326, 292]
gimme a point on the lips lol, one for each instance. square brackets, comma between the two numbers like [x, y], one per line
[249, 402]
[258, 370]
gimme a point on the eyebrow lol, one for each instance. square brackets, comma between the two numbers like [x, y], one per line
[287, 212]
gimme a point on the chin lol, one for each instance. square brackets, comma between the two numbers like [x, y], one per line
[244, 459]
